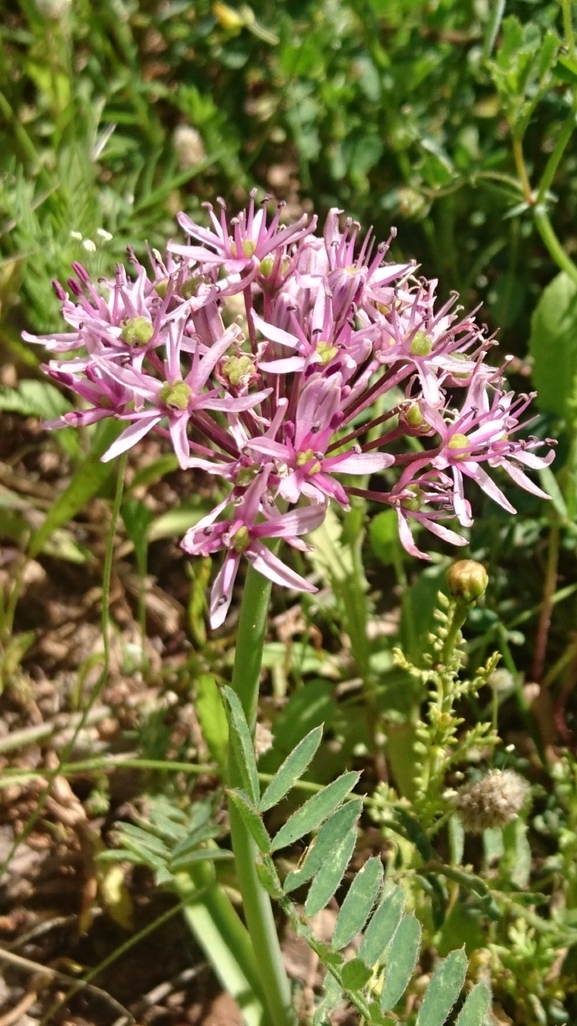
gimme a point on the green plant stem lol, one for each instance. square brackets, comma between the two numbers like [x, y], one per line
[556, 251]
[459, 615]
[568, 27]
[522, 170]
[547, 602]
[256, 902]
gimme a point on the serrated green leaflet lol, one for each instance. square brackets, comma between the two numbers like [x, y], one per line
[356, 907]
[401, 961]
[251, 818]
[476, 1006]
[382, 927]
[443, 990]
[241, 741]
[291, 770]
[323, 847]
[315, 810]
[331, 872]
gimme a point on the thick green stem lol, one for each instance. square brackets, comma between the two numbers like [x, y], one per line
[256, 902]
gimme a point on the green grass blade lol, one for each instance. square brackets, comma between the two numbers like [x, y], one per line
[87, 480]
[223, 938]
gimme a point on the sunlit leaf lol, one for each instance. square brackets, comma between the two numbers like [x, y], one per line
[401, 961]
[315, 810]
[360, 899]
[291, 770]
[443, 990]
[382, 927]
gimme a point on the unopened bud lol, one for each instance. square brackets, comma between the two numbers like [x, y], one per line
[493, 801]
[467, 580]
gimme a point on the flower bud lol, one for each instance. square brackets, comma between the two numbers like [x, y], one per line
[493, 801]
[467, 580]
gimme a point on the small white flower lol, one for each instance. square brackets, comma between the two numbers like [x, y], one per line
[493, 801]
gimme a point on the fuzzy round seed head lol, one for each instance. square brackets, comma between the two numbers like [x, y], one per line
[467, 580]
[493, 801]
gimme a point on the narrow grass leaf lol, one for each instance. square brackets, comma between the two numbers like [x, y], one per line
[197, 837]
[331, 873]
[87, 480]
[382, 927]
[146, 856]
[401, 961]
[315, 810]
[183, 862]
[357, 906]
[251, 818]
[242, 743]
[323, 847]
[443, 990]
[146, 839]
[212, 717]
[291, 770]
[476, 1006]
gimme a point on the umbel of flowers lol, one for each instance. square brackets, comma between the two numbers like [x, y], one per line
[284, 361]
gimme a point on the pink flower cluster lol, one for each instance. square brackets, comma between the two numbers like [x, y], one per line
[280, 360]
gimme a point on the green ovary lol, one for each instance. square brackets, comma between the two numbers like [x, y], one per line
[240, 540]
[304, 458]
[137, 331]
[325, 352]
[175, 396]
[414, 417]
[237, 369]
[421, 345]
[248, 248]
[414, 502]
[460, 441]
